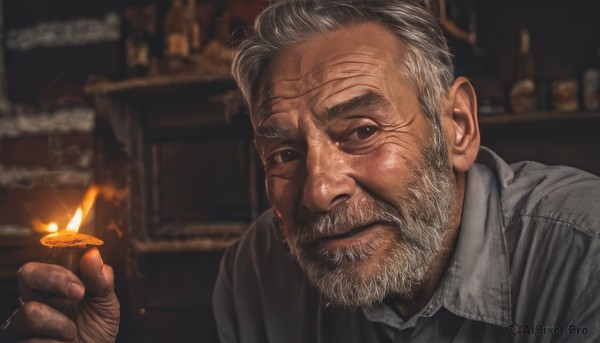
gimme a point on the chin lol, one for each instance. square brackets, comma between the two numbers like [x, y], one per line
[363, 274]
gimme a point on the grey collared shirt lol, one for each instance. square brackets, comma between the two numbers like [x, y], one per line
[526, 268]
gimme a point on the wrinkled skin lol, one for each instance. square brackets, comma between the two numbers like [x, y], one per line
[60, 306]
[319, 159]
[336, 122]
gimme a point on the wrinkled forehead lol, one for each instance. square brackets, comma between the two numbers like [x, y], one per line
[349, 52]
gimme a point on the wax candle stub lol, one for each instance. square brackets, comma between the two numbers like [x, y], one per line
[70, 240]
[68, 248]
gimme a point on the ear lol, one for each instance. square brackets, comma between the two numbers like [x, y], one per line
[462, 128]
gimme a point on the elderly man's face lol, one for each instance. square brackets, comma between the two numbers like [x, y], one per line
[350, 168]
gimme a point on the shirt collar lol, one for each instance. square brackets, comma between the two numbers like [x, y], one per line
[477, 284]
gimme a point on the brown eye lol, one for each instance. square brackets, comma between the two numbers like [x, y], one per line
[365, 132]
[285, 156]
[289, 155]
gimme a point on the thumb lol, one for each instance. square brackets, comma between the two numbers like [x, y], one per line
[97, 277]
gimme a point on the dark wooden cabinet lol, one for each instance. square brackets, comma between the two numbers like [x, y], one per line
[182, 146]
[171, 296]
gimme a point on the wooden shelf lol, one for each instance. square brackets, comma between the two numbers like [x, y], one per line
[155, 82]
[192, 238]
[182, 246]
[535, 117]
[203, 229]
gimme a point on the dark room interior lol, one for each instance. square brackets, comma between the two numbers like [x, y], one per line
[96, 98]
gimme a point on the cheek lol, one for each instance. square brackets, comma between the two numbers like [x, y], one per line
[284, 196]
[385, 173]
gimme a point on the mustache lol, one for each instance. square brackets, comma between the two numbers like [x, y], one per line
[345, 217]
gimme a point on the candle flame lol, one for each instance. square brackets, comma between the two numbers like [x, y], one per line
[40, 226]
[52, 227]
[75, 222]
[78, 218]
[84, 209]
[88, 201]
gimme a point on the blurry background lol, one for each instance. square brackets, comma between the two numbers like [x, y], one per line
[136, 95]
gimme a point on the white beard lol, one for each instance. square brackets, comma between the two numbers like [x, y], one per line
[401, 263]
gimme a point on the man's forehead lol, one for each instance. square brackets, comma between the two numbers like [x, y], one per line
[350, 51]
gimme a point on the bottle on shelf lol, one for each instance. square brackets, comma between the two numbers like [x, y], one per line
[137, 43]
[177, 47]
[194, 28]
[591, 84]
[565, 95]
[523, 90]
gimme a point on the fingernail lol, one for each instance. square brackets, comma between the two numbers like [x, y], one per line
[75, 291]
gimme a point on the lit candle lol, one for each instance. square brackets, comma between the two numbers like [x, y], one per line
[68, 246]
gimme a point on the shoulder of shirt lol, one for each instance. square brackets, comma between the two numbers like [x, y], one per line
[555, 193]
[551, 225]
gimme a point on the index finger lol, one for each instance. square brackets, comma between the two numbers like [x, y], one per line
[37, 320]
[37, 277]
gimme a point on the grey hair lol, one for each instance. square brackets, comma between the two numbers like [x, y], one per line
[425, 59]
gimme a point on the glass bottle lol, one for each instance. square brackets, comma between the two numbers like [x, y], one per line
[523, 90]
[591, 84]
[137, 44]
[194, 30]
[177, 47]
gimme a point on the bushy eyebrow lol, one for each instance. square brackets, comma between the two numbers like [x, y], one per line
[369, 99]
[269, 133]
[365, 101]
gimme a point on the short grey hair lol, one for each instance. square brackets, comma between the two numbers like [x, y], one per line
[425, 59]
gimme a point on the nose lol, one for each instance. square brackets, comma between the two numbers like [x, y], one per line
[328, 179]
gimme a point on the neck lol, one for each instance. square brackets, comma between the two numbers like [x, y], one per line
[406, 308]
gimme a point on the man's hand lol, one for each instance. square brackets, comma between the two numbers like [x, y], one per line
[60, 306]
